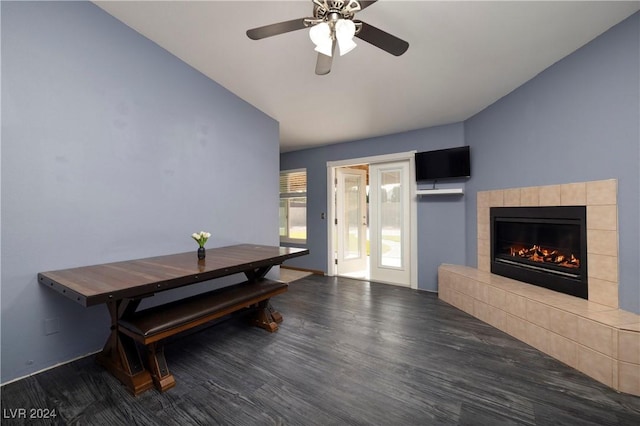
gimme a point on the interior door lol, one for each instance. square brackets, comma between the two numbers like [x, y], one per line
[351, 218]
[390, 229]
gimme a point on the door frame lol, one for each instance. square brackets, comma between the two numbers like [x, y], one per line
[413, 209]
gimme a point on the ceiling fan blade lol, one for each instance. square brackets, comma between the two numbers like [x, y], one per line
[365, 4]
[323, 64]
[382, 39]
[275, 29]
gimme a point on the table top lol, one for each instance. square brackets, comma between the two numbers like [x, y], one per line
[91, 285]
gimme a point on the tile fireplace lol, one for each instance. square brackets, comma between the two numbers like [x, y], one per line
[592, 335]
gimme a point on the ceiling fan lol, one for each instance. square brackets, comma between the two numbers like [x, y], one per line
[333, 25]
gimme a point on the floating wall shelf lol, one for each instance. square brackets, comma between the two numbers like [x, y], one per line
[445, 191]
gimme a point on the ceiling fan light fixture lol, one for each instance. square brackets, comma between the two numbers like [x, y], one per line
[325, 49]
[345, 31]
[320, 35]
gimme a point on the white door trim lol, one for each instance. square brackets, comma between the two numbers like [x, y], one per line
[331, 176]
[398, 156]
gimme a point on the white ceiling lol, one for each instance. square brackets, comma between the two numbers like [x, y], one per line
[462, 57]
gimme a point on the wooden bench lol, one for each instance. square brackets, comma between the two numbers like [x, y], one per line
[151, 326]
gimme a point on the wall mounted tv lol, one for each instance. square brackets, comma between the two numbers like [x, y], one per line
[443, 164]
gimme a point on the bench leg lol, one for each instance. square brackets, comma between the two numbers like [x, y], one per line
[162, 379]
[264, 318]
[277, 316]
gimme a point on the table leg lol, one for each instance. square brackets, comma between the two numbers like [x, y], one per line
[120, 355]
[254, 274]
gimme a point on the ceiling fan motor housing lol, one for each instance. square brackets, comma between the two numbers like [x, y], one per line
[335, 9]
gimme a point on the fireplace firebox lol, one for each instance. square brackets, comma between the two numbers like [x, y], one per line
[545, 246]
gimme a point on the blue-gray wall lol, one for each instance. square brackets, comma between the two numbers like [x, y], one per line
[577, 121]
[440, 219]
[112, 149]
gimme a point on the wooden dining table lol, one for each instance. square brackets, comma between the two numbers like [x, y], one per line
[121, 286]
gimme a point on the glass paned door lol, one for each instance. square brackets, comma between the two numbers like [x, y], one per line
[351, 215]
[390, 223]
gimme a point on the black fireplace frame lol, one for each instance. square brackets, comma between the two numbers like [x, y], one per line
[577, 214]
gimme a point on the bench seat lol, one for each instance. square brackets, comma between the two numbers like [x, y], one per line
[153, 324]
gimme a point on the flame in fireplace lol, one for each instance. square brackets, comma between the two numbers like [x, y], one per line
[542, 255]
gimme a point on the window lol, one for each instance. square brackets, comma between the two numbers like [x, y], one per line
[293, 206]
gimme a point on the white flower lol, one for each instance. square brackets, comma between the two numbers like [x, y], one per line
[201, 237]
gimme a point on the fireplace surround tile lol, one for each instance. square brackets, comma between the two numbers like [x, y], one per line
[573, 194]
[484, 248]
[483, 215]
[630, 327]
[482, 292]
[615, 374]
[582, 309]
[602, 217]
[512, 197]
[497, 318]
[629, 347]
[481, 310]
[537, 336]
[497, 298]
[532, 292]
[538, 313]
[603, 267]
[483, 224]
[483, 200]
[516, 305]
[529, 197]
[484, 263]
[596, 336]
[629, 378]
[483, 231]
[467, 287]
[563, 349]
[602, 192]
[563, 323]
[517, 327]
[616, 317]
[496, 198]
[466, 303]
[595, 364]
[604, 292]
[549, 195]
[602, 242]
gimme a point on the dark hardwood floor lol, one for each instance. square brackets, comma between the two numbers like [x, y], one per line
[348, 352]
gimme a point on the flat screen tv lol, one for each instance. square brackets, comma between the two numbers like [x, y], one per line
[443, 164]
